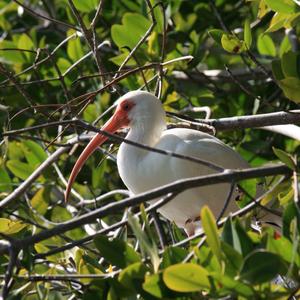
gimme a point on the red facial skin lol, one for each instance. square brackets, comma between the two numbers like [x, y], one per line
[118, 120]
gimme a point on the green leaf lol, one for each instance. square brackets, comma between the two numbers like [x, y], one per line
[277, 69]
[85, 6]
[233, 258]
[173, 255]
[9, 227]
[216, 34]
[147, 245]
[155, 286]
[290, 87]
[291, 220]
[132, 277]
[284, 248]
[282, 6]
[235, 235]
[5, 181]
[118, 60]
[290, 63]
[34, 153]
[265, 45]
[210, 228]
[232, 44]
[133, 28]
[261, 266]
[186, 277]
[60, 214]
[40, 201]
[74, 47]
[116, 251]
[286, 158]
[10, 57]
[20, 169]
[277, 22]
[232, 284]
[249, 186]
[285, 46]
[25, 42]
[247, 34]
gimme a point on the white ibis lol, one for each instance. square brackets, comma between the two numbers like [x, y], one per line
[143, 170]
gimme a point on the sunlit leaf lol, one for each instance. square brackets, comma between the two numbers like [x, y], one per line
[186, 277]
[8, 226]
[211, 231]
[134, 23]
[40, 200]
[283, 6]
[232, 44]
[247, 34]
[74, 48]
[20, 169]
[265, 45]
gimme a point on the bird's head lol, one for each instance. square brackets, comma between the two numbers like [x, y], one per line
[133, 109]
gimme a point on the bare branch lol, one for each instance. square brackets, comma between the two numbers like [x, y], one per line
[175, 187]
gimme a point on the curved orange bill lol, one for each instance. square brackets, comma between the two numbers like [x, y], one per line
[111, 126]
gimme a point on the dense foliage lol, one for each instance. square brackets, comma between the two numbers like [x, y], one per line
[66, 59]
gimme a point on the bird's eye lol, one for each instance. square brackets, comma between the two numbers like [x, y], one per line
[126, 106]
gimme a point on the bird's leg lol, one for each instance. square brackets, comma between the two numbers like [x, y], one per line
[190, 226]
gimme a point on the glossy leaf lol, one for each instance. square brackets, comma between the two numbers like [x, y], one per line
[186, 277]
[265, 45]
[282, 6]
[211, 231]
[261, 266]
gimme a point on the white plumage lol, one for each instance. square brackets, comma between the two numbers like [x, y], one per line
[142, 170]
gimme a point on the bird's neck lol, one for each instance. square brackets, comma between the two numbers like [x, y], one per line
[146, 133]
[131, 159]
